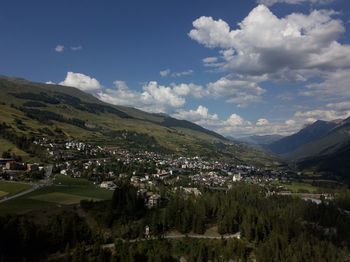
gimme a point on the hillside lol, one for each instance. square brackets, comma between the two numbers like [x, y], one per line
[306, 135]
[330, 143]
[336, 162]
[61, 112]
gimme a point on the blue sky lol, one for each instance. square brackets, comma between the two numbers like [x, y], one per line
[236, 67]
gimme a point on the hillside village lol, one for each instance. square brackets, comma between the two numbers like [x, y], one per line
[104, 166]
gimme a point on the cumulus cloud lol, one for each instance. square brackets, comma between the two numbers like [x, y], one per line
[50, 83]
[294, 2]
[238, 91]
[334, 85]
[262, 122]
[154, 97]
[81, 81]
[200, 116]
[235, 125]
[59, 48]
[297, 44]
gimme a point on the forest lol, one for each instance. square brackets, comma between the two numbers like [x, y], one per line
[273, 228]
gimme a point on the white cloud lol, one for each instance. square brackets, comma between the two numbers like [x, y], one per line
[165, 72]
[210, 59]
[59, 48]
[238, 91]
[290, 122]
[200, 116]
[183, 73]
[168, 72]
[76, 48]
[272, 2]
[296, 46]
[340, 106]
[50, 83]
[81, 81]
[334, 85]
[262, 122]
[320, 114]
[153, 97]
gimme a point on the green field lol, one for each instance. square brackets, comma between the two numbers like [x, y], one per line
[64, 191]
[298, 187]
[12, 188]
[62, 198]
[2, 193]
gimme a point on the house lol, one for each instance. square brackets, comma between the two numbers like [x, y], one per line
[108, 185]
[236, 177]
[153, 201]
[12, 165]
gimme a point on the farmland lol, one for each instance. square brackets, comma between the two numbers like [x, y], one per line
[12, 188]
[64, 191]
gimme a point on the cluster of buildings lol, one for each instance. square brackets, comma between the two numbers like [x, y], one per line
[12, 169]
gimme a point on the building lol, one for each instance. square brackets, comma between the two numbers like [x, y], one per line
[154, 201]
[108, 185]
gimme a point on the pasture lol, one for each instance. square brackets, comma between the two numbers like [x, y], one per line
[8, 188]
[64, 191]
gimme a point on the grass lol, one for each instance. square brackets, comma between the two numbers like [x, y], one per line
[12, 188]
[62, 198]
[298, 187]
[6, 145]
[64, 191]
[67, 180]
[2, 193]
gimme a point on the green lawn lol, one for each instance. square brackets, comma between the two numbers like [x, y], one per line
[2, 193]
[298, 187]
[64, 191]
[67, 180]
[62, 198]
[12, 188]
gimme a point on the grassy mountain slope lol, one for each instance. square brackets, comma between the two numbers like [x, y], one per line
[35, 109]
[332, 142]
[337, 162]
[306, 135]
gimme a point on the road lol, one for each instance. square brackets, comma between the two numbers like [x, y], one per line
[46, 182]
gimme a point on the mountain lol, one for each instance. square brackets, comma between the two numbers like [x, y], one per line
[336, 162]
[333, 142]
[306, 135]
[60, 112]
[260, 140]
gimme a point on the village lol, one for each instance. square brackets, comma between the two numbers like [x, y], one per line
[104, 166]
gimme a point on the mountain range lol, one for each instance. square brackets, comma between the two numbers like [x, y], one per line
[61, 112]
[321, 146]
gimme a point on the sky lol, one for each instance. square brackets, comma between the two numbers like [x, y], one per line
[238, 67]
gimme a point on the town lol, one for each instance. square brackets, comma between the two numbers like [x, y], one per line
[147, 171]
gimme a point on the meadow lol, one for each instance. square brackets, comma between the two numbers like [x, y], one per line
[64, 191]
[11, 188]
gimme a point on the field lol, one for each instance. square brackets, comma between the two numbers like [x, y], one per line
[12, 188]
[62, 198]
[64, 191]
[298, 187]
